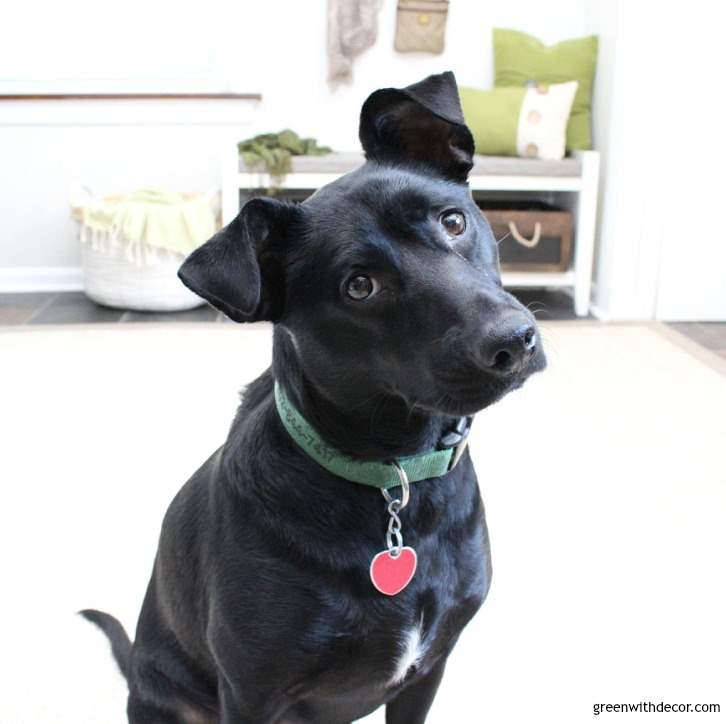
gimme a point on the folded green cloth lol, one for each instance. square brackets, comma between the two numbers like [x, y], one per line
[273, 152]
[154, 218]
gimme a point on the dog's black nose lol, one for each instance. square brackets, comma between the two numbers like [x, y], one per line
[509, 350]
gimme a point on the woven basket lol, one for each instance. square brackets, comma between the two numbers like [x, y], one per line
[132, 275]
[113, 279]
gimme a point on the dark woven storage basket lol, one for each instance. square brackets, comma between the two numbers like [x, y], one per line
[532, 239]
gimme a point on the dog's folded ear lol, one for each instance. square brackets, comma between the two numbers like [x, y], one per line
[422, 123]
[239, 269]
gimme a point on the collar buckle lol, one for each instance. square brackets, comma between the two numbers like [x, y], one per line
[458, 438]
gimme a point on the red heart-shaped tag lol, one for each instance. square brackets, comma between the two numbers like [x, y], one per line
[391, 575]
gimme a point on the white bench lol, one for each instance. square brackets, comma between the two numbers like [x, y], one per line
[574, 180]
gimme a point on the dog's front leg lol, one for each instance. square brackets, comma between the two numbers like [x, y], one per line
[412, 705]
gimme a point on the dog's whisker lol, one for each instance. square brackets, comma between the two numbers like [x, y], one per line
[550, 341]
[378, 406]
[367, 400]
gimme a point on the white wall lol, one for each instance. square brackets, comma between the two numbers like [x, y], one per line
[658, 118]
[110, 147]
[692, 264]
[601, 19]
[274, 48]
[628, 254]
[293, 78]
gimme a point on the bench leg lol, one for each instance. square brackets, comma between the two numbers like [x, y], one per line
[585, 231]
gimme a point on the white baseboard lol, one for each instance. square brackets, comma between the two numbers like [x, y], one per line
[41, 279]
[599, 313]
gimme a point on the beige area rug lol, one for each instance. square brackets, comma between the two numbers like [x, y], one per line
[604, 481]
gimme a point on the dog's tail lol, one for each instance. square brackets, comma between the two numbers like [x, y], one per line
[120, 642]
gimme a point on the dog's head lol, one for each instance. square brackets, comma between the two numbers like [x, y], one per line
[387, 280]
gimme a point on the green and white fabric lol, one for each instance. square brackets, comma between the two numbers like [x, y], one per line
[521, 59]
[529, 122]
[149, 221]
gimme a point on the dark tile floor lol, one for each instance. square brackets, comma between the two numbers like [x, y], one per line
[711, 335]
[76, 308]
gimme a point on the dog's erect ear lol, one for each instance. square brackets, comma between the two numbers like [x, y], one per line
[239, 269]
[422, 123]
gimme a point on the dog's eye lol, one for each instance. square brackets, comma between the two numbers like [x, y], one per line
[361, 287]
[454, 222]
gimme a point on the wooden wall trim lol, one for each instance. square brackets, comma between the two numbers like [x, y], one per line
[132, 97]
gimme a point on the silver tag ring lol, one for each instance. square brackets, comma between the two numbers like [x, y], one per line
[405, 486]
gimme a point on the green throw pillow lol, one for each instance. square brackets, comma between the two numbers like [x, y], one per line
[492, 117]
[519, 121]
[520, 59]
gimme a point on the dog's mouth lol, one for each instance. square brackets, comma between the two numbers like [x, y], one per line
[464, 389]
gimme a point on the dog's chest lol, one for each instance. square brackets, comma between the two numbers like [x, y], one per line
[370, 655]
[395, 639]
[411, 652]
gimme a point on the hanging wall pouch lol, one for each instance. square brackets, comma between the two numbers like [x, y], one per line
[421, 26]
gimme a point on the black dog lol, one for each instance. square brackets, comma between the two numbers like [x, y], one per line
[391, 326]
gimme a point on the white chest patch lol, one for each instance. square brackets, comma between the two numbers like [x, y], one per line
[412, 651]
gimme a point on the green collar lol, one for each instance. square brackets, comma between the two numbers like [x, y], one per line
[426, 465]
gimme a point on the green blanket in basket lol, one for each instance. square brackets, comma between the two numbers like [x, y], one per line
[153, 217]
